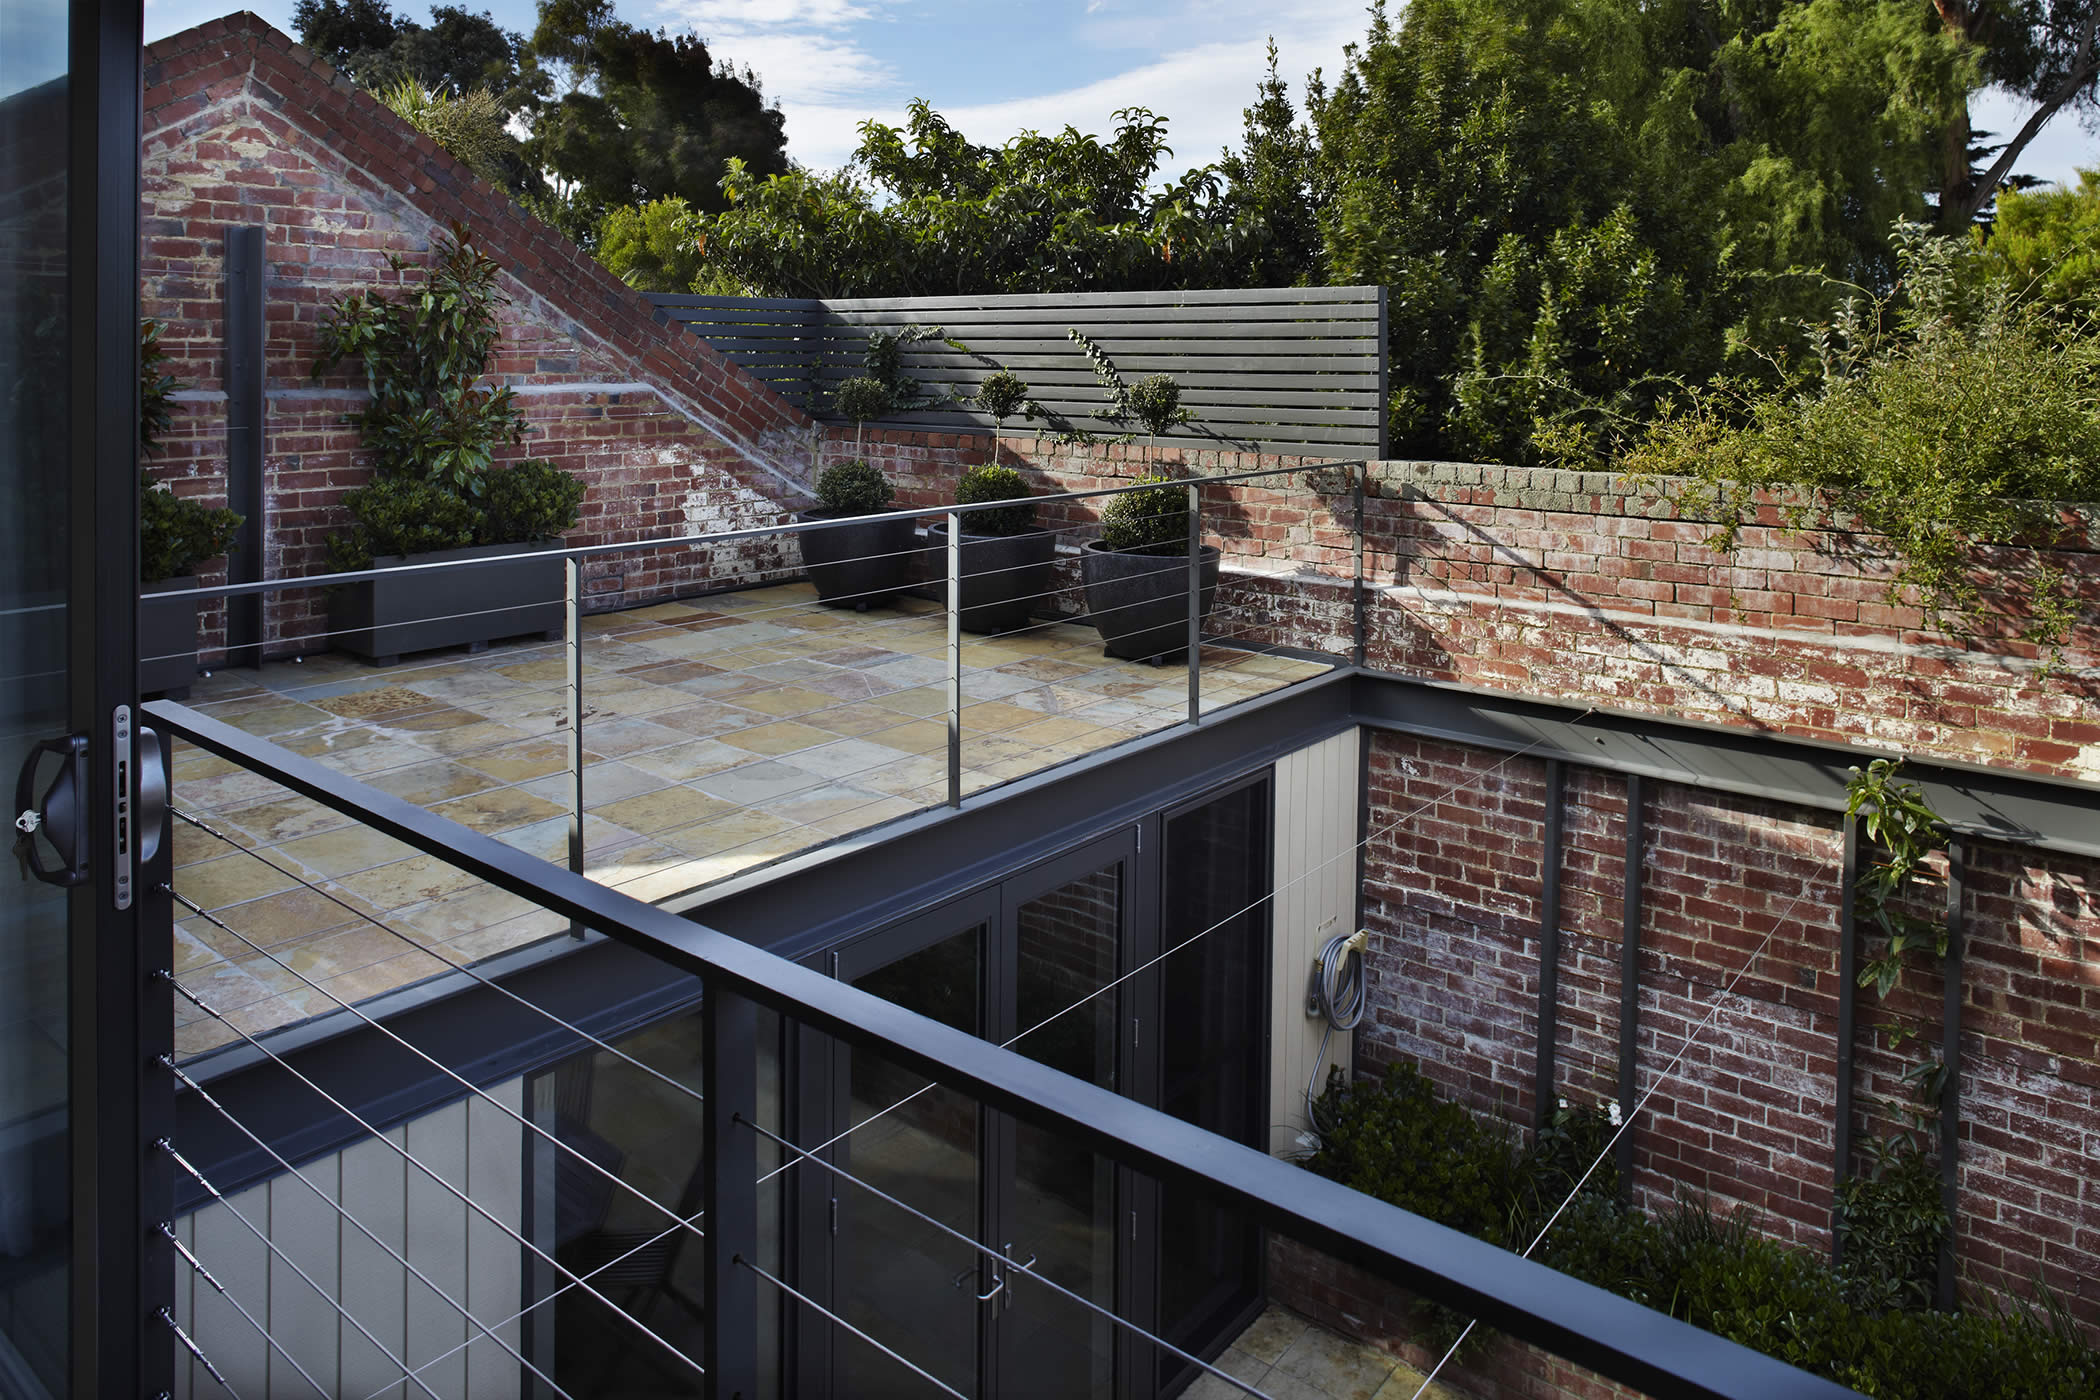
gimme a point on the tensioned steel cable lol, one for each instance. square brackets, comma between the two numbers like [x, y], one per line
[465, 1313]
[484, 980]
[434, 1063]
[189, 1344]
[988, 1252]
[417, 1163]
[1691, 1038]
[818, 1307]
[197, 1267]
[168, 1148]
[1195, 938]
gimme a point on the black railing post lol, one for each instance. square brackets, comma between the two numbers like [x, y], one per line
[1950, 1055]
[955, 692]
[1630, 984]
[729, 1083]
[1549, 947]
[1195, 638]
[1847, 1027]
[1356, 593]
[572, 694]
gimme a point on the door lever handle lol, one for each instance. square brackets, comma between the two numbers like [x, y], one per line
[997, 1289]
[61, 815]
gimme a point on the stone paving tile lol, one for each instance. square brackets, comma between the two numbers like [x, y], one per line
[720, 733]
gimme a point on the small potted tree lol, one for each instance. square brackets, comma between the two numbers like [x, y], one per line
[436, 495]
[1006, 561]
[862, 562]
[176, 534]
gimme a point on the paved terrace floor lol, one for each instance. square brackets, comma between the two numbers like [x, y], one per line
[720, 734]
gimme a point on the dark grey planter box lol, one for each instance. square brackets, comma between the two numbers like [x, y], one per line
[1003, 576]
[470, 606]
[167, 639]
[858, 565]
[1139, 602]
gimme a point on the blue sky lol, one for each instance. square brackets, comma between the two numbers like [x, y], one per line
[994, 67]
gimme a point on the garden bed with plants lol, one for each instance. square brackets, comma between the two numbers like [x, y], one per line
[1865, 1324]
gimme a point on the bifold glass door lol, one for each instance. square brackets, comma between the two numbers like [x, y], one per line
[1139, 963]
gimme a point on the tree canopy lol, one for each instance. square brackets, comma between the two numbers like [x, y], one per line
[613, 115]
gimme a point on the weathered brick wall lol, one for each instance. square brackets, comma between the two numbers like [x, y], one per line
[245, 127]
[1739, 957]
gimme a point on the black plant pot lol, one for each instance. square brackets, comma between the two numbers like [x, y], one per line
[1139, 601]
[167, 639]
[858, 565]
[469, 606]
[1002, 575]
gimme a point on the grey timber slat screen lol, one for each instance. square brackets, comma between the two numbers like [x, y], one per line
[1293, 371]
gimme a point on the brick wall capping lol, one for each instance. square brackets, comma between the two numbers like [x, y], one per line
[2056, 814]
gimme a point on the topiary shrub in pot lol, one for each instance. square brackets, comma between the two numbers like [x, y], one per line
[865, 562]
[434, 429]
[1006, 560]
[176, 534]
[1137, 576]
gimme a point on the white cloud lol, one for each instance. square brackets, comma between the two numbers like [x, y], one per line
[1201, 89]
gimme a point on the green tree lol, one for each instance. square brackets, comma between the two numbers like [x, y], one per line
[2046, 51]
[458, 51]
[2046, 243]
[650, 246]
[642, 116]
[923, 211]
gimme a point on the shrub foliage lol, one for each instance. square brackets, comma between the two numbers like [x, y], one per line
[995, 483]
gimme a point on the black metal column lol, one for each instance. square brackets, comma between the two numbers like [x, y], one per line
[245, 407]
[1549, 946]
[1848, 1017]
[730, 1086]
[1950, 1051]
[121, 1274]
[1630, 983]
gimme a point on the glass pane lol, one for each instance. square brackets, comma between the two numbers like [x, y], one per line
[34, 1137]
[627, 1133]
[897, 1278]
[1214, 1064]
[1064, 1201]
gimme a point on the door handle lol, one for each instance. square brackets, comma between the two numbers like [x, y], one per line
[61, 815]
[997, 1288]
[153, 796]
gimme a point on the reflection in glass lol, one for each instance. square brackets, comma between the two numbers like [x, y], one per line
[1063, 1203]
[1214, 1062]
[898, 1278]
[34, 559]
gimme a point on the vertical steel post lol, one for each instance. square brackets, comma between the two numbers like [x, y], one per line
[1195, 639]
[955, 695]
[1950, 1055]
[1549, 949]
[1357, 600]
[1630, 983]
[729, 1090]
[1848, 1016]
[572, 651]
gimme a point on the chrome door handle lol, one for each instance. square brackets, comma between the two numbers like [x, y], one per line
[997, 1289]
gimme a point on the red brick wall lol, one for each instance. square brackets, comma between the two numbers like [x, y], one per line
[245, 127]
[1453, 897]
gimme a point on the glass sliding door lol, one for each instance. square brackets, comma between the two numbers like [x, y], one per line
[896, 1277]
[1214, 1053]
[35, 584]
[1059, 1204]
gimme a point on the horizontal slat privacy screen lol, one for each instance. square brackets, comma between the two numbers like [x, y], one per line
[1293, 371]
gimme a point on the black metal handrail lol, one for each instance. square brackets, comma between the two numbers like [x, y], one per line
[1625, 1341]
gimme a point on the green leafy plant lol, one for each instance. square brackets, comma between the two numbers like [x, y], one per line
[1891, 1223]
[472, 125]
[1156, 402]
[1949, 418]
[395, 516]
[1153, 517]
[534, 500]
[862, 398]
[1905, 831]
[424, 352]
[176, 534]
[995, 483]
[1002, 394]
[1866, 1326]
[854, 486]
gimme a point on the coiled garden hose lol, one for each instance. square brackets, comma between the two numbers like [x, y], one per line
[1337, 996]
